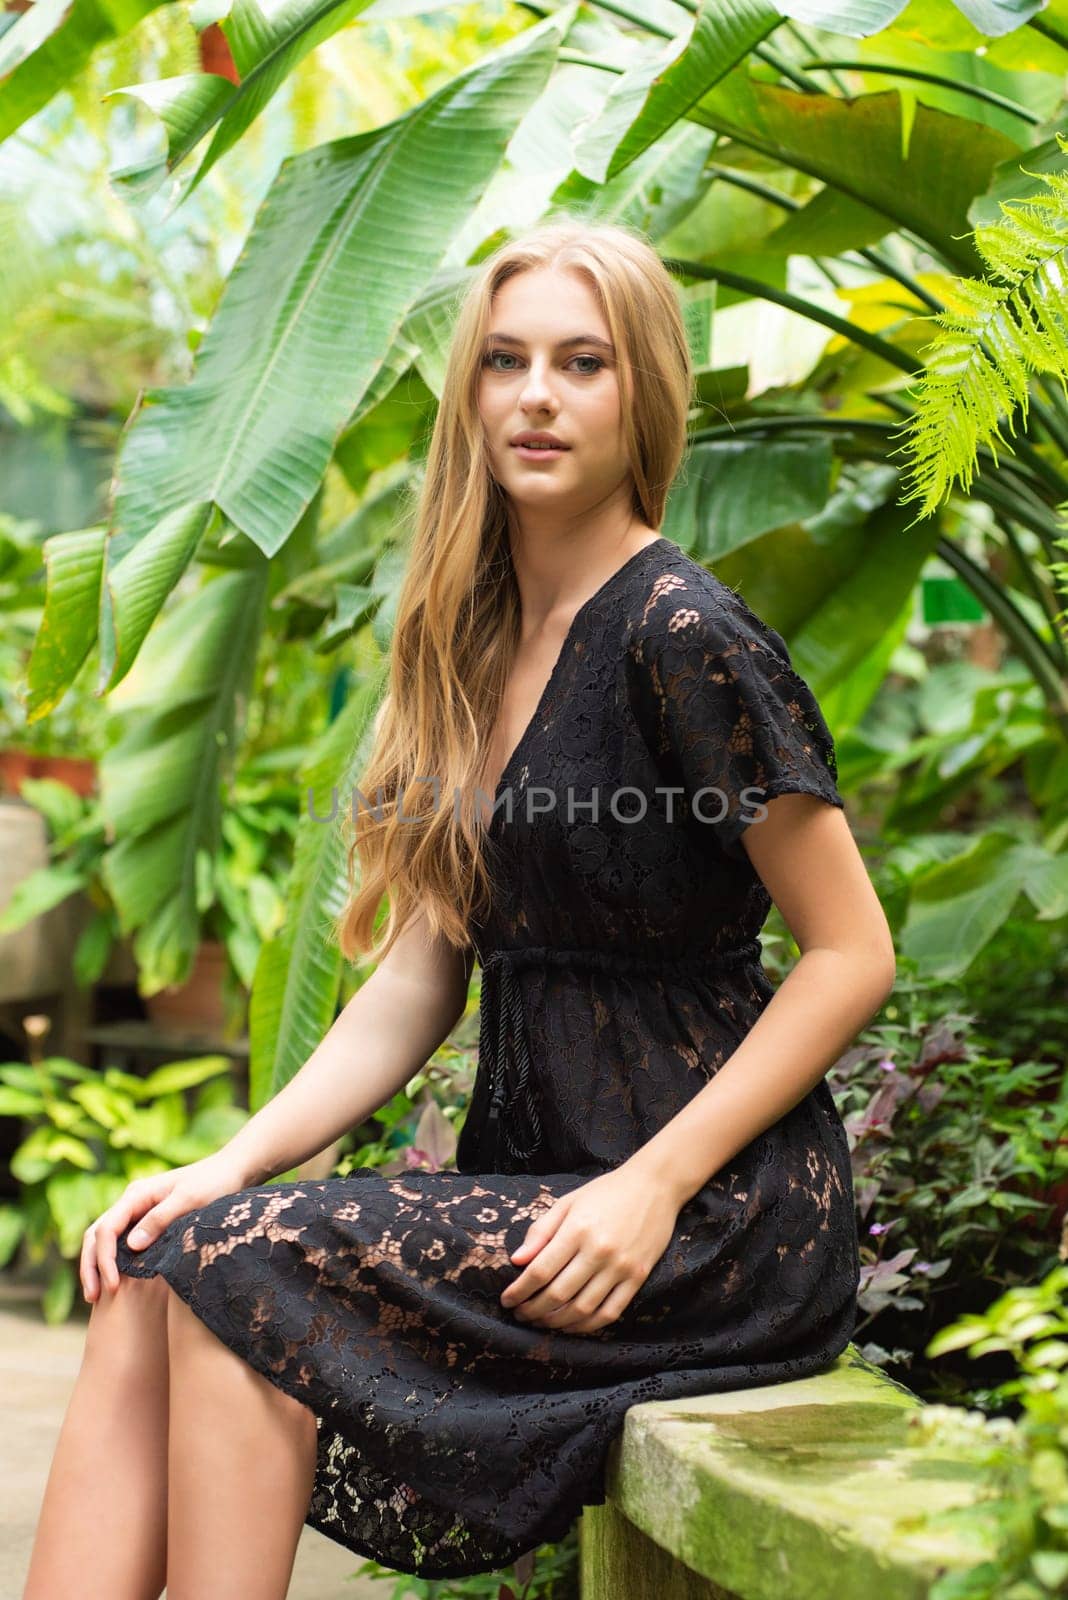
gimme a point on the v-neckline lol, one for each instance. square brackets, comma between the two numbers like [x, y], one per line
[558, 664]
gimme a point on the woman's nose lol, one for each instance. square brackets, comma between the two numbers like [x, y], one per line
[537, 390]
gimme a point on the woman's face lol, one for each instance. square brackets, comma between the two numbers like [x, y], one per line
[555, 372]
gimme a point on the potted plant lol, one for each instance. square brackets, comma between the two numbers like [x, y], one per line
[240, 895]
[64, 745]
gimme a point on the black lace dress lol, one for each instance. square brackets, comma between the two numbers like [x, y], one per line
[620, 969]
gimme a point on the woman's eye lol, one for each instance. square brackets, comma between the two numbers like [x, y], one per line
[491, 356]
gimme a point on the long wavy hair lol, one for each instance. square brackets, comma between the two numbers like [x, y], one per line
[458, 616]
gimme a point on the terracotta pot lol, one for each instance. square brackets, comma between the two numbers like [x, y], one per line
[78, 772]
[198, 1005]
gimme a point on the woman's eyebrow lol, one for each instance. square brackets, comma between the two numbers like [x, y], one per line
[561, 344]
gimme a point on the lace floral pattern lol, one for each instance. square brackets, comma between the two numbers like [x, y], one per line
[621, 969]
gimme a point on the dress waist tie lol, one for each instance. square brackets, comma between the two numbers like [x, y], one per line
[503, 1045]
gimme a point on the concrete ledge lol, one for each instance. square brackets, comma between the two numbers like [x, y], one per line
[806, 1490]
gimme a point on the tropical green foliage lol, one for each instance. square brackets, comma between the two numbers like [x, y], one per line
[242, 287]
[89, 1135]
[1025, 1462]
[713, 135]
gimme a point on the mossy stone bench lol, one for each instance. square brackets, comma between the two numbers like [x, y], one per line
[797, 1491]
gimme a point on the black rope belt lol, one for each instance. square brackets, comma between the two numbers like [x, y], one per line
[503, 1044]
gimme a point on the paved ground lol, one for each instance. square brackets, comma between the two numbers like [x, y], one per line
[38, 1366]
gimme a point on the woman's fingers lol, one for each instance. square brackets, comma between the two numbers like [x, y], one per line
[153, 1222]
[585, 1300]
[98, 1245]
[609, 1310]
[552, 1300]
[106, 1234]
[87, 1265]
[542, 1269]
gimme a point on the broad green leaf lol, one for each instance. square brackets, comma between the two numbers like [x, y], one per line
[33, 896]
[151, 1126]
[187, 107]
[161, 782]
[94, 945]
[26, 33]
[102, 1103]
[298, 975]
[61, 807]
[75, 1199]
[138, 585]
[350, 552]
[957, 906]
[734, 491]
[50, 44]
[1045, 881]
[853, 616]
[387, 434]
[828, 225]
[44, 1150]
[656, 192]
[855, 18]
[647, 101]
[58, 1298]
[185, 1074]
[19, 1103]
[992, 18]
[74, 564]
[858, 19]
[267, 43]
[12, 1228]
[1019, 178]
[348, 237]
[855, 147]
[429, 324]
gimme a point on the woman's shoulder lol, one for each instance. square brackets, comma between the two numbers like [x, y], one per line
[684, 604]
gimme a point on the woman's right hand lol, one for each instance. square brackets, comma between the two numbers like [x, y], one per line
[152, 1202]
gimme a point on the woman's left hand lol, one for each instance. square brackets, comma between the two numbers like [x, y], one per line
[590, 1252]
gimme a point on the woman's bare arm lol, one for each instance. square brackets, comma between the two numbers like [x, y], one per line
[387, 1032]
[809, 862]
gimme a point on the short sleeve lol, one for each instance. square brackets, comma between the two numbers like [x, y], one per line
[725, 715]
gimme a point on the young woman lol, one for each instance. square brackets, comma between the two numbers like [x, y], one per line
[600, 769]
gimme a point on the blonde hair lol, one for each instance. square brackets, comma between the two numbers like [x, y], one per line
[458, 616]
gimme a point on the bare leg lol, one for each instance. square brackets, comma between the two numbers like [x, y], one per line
[241, 1471]
[102, 1531]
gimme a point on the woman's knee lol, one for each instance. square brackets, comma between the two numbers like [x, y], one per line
[131, 1319]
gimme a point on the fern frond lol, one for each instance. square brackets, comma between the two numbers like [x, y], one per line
[998, 330]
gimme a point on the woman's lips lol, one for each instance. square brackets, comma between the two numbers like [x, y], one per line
[539, 452]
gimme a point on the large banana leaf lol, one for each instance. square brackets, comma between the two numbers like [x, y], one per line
[298, 975]
[855, 147]
[348, 237]
[160, 785]
[137, 586]
[74, 564]
[733, 491]
[266, 46]
[831, 589]
[649, 99]
[859, 18]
